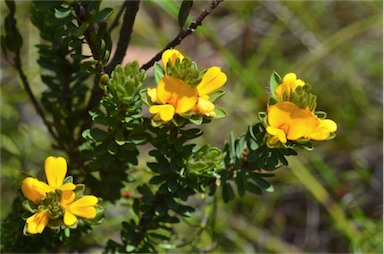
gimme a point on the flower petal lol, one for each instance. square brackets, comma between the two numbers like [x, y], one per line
[55, 171]
[295, 122]
[67, 198]
[84, 201]
[290, 83]
[177, 93]
[34, 189]
[37, 222]
[152, 93]
[324, 130]
[84, 207]
[205, 107]
[277, 135]
[163, 112]
[171, 55]
[69, 218]
[212, 80]
[289, 78]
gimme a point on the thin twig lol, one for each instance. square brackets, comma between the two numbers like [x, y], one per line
[131, 9]
[24, 80]
[35, 103]
[184, 33]
[115, 22]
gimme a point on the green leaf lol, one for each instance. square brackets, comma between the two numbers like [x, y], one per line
[274, 82]
[216, 95]
[262, 183]
[228, 193]
[102, 15]
[220, 112]
[60, 14]
[185, 8]
[253, 188]
[159, 72]
[119, 137]
[98, 135]
[173, 185]
[113, 148]
[68, 179]
[196, 119]
[81, 29]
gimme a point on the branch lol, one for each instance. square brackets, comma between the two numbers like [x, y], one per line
[184, 33]
[11, 23]
[115, 22]
[131, 9]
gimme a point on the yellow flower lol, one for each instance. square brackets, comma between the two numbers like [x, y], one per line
[37, 222]
[175, 96]
[286, 121]
[85, 207]
[55, 171]
[290, 83]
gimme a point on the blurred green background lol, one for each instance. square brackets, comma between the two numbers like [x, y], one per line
[329, 200]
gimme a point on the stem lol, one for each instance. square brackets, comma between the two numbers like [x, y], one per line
[131, 9]
[184, 33]
[35, 103]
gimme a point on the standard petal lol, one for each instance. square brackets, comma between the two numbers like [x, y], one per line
[171, 55]
[55, 171]
[37, 222]
[289, 78]
[212, 80]
[69, 218]
[177, 93]
[166, 89]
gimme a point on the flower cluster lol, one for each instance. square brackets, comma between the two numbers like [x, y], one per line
[182, 89]
[58, 202]
[291, 114]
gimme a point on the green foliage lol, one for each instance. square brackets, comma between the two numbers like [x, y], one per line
[111, 147]
[96, 119]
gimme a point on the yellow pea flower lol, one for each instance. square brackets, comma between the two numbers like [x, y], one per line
[175, 96]
[55, 171]
[290, 83]
[286, 121]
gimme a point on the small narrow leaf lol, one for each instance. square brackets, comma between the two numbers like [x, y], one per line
[102, 15]
[274, 82]
[159, 72]
[185, 8]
